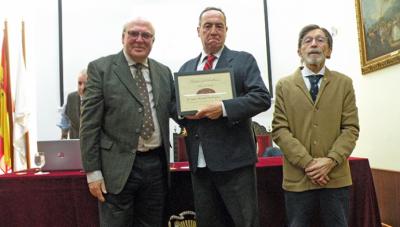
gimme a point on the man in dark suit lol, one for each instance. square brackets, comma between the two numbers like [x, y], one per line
[220, 141]
[125, 131]
[71, 113]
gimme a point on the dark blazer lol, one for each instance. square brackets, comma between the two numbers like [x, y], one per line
[112, 116]
[73, 112]
[228, 142]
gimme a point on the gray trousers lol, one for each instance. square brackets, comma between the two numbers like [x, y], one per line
[332, 204]
[226, 199]
[142, 201]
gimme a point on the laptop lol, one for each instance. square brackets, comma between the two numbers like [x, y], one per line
[61, 154]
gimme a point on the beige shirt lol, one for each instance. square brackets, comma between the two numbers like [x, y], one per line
[155, 140]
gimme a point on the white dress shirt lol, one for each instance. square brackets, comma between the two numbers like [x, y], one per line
[307, 72]
[201, 162]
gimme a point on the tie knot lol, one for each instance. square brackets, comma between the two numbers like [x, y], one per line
[314, 79]
[210, 58]
[138, 66]
[209, 62]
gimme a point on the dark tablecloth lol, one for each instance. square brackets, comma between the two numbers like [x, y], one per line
[62, 199]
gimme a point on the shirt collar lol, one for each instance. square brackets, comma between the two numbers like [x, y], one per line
[204, 55]
[307, 72]
[132, 62]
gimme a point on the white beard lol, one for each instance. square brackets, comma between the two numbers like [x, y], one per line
[314, 60]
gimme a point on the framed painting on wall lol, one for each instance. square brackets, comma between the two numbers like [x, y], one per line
[378, 23]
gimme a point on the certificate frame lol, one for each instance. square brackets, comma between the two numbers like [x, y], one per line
[196, 89]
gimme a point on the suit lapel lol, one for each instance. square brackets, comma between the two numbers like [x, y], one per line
[194, 63]
[301, 85]
[299, 81]
[324, 84]
[224, 59]
[78, 105]
[123, 72]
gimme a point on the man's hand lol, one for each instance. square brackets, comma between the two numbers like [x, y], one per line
[318, 169]
[212, 111]
[64, 134]
[97, 189]
[321, 182]
[192, 117]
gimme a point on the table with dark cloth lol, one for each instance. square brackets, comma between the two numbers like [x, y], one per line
[62, 199]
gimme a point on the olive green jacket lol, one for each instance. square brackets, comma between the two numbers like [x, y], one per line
[304, 130]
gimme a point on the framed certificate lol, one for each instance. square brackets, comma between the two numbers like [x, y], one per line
[195, 90]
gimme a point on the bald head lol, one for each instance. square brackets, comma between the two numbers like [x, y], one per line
[141, 22]
[138, 38]
[82, 79]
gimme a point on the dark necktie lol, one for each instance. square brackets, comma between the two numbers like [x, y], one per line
[209, 63]
[148, 124]
[314, 79]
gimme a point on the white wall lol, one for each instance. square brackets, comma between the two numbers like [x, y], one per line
[379, 119]
[40, 19]
[89, 37]
[377, 93]
[86, 37]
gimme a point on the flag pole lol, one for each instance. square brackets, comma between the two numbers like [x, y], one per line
[27, 154]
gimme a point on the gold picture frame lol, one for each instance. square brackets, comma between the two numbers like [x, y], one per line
[378, 23]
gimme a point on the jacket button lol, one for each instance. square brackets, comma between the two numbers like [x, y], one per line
[196, 136]
[137, 130]
[315, 142]
[140, 110]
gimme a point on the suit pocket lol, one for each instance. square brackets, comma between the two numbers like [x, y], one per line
[106, 143]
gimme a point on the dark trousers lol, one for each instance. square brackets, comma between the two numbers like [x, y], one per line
[331, 203]
[226, 199]
[142, 201]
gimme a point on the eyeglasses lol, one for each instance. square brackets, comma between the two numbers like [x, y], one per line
[136, 34]
[319, 40]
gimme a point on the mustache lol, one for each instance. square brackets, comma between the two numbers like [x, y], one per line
[314, 51]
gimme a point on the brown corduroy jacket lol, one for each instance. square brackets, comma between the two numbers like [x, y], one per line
[304, 130]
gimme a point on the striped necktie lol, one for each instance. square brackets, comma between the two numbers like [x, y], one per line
[209, 63]
[314, 79]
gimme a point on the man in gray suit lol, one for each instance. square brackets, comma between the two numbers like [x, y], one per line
[220, 141]
[71, 112]
[125, 131]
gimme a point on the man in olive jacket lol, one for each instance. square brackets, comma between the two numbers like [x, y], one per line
[316, 136]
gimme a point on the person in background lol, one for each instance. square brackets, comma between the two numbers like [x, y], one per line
[124, 132]
[220, 142]
[315, 124]
[71, 111]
